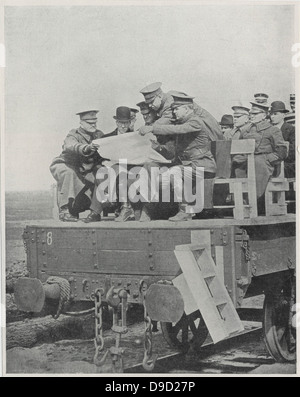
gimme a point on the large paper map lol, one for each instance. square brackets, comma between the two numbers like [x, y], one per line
[132, 146]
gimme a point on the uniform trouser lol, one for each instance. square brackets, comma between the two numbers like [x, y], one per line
[73, 189]
[263, 171]
[116, 184]
[179, 179]
[186, 180]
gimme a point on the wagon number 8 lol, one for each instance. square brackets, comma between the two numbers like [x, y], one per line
[49, 238]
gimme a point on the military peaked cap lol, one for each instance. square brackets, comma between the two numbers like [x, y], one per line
[151, 91]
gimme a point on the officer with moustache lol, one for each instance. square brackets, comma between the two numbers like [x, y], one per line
[74, 169]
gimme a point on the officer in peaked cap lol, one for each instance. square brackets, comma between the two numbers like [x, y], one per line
[158, 101]
[240, 120]
[259, 108]
[74, 169]
[151, 91]
[181, 98]
[212, 126]
[87, 114]
[240, 109]
[270, 149]
[261, 98]
[192, 150]
[161, 102]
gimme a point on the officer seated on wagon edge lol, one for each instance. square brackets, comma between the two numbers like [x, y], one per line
[75, 168]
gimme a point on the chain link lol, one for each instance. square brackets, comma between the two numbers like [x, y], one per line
[148, 361]
[64, 295]
[119, 327]
[99, 341]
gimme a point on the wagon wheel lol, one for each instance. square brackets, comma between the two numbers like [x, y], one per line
[190, 330]
[278, 328]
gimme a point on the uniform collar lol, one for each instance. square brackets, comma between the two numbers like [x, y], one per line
[87, 135]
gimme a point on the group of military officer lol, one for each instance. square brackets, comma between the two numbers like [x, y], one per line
[184, 131]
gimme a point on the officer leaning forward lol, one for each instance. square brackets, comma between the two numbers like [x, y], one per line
[161, 102]
[192, 150]
[75, 168]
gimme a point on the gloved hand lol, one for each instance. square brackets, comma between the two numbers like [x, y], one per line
[145, 129]
[91, 148]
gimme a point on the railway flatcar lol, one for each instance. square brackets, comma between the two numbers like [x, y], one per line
[190, 276]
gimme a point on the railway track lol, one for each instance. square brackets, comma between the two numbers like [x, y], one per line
[239, 354]
[242, 354]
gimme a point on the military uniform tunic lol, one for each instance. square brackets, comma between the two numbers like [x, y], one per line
[73, 169]
[165, 116]
[192, 142]
[270, 150]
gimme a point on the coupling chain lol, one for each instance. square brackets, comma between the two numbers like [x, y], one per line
[65, 291]
[148, 361]
[119, 327]
[99, 341]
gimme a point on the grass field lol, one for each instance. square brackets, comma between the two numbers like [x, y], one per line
[20, 209]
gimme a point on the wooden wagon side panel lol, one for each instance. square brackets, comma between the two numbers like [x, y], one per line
[273, 248]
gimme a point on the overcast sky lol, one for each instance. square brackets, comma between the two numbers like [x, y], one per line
[60, 59]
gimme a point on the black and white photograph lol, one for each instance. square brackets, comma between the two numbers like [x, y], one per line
[148, 190]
